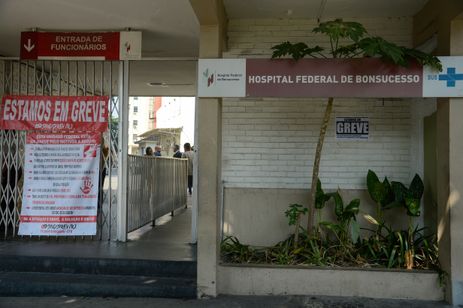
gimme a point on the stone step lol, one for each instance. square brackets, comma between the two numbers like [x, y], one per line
[58, 284]
[98, 266]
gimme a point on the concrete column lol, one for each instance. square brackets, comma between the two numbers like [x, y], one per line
[450, 180]
[211, 16]
[446, 20]
[209, 174]
[209, 168]
[455, 199]
[443, 214]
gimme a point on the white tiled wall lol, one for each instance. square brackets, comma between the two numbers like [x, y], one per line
[270, 143]
[255, 37]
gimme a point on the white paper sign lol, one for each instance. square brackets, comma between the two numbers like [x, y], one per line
[352, 128]
[224, 78]
[60, 193]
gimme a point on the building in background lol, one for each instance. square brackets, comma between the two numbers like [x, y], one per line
[160, 121]
[141, 119]
[164, 137]
[178, 112]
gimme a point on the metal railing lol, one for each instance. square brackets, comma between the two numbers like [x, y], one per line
[157, 186]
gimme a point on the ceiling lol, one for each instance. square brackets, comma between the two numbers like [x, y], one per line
[169, 27]
[163, 78]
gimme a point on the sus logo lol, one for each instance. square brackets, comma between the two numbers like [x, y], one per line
[451, 77]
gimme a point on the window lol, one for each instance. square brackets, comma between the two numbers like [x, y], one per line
[135, 109]
[134, 137]
[135, 123]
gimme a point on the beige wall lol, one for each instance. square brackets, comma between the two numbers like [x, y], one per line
[435, 18]
[261, 280]
[256, 215]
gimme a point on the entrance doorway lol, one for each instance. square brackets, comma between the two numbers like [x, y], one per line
[89, 78]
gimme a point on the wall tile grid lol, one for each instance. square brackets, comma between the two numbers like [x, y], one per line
[270, 143]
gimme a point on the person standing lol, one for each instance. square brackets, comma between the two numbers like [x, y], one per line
[157, 151]
[190, 155]
[148, 151]
[177, 153]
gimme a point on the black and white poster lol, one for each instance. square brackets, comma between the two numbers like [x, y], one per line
[352, 128]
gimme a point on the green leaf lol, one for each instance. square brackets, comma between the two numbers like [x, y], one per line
[295, 51]
[331, 226]
[381, 193]
[392, 258]
[400, 191]
[347, 51]
[413, 206]
[353, 207]
[338, 205]
[354, 231]
[372, 184]
[338, 28]
[320, 197]
[293, 213]
[416, 188]
[389, 194]
[423, 58]
[356, 44]
[377, 46]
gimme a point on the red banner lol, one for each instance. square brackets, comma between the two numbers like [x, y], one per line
[54, 113]
[101, 45]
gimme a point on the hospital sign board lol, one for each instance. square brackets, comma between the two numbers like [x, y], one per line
[125, 45]
[360, 77]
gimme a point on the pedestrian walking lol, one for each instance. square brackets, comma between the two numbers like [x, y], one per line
[188, 153]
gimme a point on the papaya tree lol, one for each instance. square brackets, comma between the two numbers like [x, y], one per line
[346, 40]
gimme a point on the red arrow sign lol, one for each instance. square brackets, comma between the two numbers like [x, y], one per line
[29, 45]
[80, 45]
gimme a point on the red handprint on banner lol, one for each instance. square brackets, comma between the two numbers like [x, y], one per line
[87, 185]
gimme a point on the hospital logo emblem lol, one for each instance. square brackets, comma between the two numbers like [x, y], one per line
[209, 77]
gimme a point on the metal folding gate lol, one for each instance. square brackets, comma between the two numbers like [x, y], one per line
[59, 78]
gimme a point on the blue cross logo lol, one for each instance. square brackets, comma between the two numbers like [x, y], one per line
[451, 77]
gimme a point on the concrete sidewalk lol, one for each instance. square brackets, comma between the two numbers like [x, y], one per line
[222, 301]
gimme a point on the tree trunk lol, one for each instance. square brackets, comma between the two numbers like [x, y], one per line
[316, 165]
[296, 231]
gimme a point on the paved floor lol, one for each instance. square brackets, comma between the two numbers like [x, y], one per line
[169, 240]
[223, 301]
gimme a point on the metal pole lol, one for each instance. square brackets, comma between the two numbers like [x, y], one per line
[123, 147]
[194, 206]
